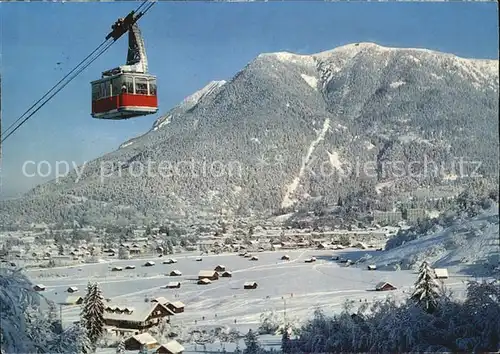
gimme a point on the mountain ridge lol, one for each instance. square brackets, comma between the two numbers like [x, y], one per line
[283, 119]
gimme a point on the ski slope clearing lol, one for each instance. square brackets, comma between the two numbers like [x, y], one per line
[294, 285]
[467, 246]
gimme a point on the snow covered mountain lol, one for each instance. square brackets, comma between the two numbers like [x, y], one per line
[288, 129]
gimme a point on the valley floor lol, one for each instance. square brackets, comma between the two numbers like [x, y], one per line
[294, 286]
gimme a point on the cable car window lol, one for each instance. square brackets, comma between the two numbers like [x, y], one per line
[152, 88]
[129, 84]
[95, 92]
[116, 86]
[141, 86]
[101, 90]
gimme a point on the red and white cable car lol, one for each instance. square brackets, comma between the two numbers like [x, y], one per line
[127, 91]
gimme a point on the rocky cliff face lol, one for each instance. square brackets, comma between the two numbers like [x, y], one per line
[288, 129]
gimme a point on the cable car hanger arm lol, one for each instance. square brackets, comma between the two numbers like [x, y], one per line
[122, 25]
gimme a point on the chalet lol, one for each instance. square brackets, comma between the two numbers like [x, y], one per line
[254, 258]
[140, 317]
[208, 274]
[204, 281]
[39, 287]
[220, 268]
[285, 257]
[134, 250]
[176, 306]
[199, 259]
[175, 273]
[139, 340]
[308, 260]
[250, 285]
[149, 264]
[130, 267]
[116, 269]
[160, 300]
[372, 267]
[323, 246]
[73, 300]
[247, 255]
[172, 347]
[226, 274]
[441, 273]
[384, 286]
[173, 285]
[72, 289]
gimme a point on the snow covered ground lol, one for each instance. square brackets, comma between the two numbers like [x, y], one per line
[293, 285]
[469, 247]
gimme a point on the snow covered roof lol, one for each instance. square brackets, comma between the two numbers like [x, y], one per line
[177, 304]
[441, 272]
[160, 300]
[207, 273]
[144, 338]
[137, 313]
[173, 347]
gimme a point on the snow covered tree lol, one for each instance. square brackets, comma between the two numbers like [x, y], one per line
[93, 313]
[252, 343]
[285, 341]
[123, 253]
[426, 288]
[120, 349]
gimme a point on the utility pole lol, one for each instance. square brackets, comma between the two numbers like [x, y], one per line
[284, 311]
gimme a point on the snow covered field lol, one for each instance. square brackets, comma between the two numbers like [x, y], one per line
[293, 285]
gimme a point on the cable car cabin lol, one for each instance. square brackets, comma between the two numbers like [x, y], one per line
[124, 96]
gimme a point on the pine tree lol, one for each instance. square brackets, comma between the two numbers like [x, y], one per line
[251, 343]
[426, 288]
[93, 313]
[120, 349]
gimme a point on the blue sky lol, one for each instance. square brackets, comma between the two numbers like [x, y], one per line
[188, 44]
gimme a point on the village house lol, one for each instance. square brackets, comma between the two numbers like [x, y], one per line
[441, 273]
[285, 257]
[204, 281]
[172, 347]
[220, 268]
[208, 274]
[384, 286]
[137, 341]
[176, 307]
[372, 267]
[226, 274]
[72, 289]
[173, 285]
[175, 273]
[139, 317]
[73, 300]
[39, 287]
[250, 285]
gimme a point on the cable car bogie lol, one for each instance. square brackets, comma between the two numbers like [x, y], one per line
[127, 91]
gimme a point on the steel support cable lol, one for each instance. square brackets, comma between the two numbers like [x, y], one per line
[54, 87]
[58, 90]
[66, 76]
